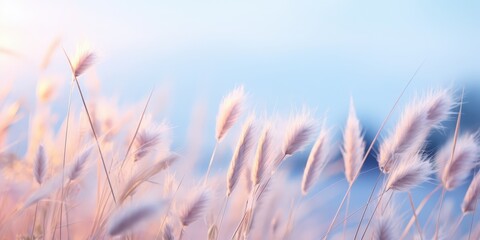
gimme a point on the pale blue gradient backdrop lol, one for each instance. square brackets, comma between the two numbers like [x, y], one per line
[286, 53]
[317, 53]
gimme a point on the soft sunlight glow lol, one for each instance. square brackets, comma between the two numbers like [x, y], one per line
[128, 136]
[11, 15]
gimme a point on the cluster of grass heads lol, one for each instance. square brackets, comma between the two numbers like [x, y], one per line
[109, 173]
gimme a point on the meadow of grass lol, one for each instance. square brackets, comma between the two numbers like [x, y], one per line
[111, 172]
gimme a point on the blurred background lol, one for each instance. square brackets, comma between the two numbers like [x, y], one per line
[287, 54]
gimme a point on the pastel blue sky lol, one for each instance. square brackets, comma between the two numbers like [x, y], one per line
[286, 53]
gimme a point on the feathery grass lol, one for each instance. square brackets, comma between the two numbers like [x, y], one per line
[257, 197]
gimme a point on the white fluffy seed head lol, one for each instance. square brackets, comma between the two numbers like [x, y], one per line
[79, 164]
[317, 160]
[385, 225]
[213, 232]
[264, 154]
[472, 195]
[147, 140]
[409, 173]
[299, 131]
[83, 60]
[243, 150]
[411, 132]
[168, 232]
[439, 105]
[193, 210]
[145, 174]
[229, 111]
[45, 190]
[453, 171]
[40, 165]
[353, 145]
[130, 217]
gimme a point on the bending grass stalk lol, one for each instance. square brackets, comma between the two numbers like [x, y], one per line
[180, 236]
[374, 210]
[385, 179]
[96, 140]
[371, 147]
[388, 202]
[222, 211]
[210, 163]
[366, 205]
[473, 214]
[459, 221]
[283, 156]
[66, 212]
[353, 213]
[251, 200]
[98, 217]
[65, 155]
[431, 216]
[439, 214]
[289, 226]
[100, 198]
[255, 190]
[455, 137]
[346, 214]
[417, 211]
[303, 200]
[471, 223]
[168, 208]
[415, 215]
[385, 190]
[317, 194]
[241, 220]
[93, 129]
[34, 220]
[136, 130]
